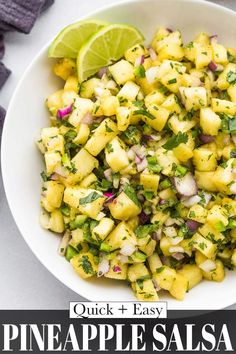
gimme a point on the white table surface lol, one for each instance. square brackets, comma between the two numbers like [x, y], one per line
[25, 283]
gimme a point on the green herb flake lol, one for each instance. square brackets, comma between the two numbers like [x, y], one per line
[172, 81]
[159, 270]
[175, 140]
[90, 198]
[86, 265]
[231, 77]
[145, 230]
[145, 113]
[139, 71]
[131, 193]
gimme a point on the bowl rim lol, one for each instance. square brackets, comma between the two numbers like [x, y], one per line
[3, 153]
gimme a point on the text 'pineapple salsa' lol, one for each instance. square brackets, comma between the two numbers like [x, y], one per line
[141, 166]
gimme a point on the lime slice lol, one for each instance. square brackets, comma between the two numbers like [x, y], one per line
[104, 47]
[69, 41]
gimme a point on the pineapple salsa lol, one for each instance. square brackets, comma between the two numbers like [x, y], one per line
[140, 176]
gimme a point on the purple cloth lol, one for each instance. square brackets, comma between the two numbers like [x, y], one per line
[20, 16]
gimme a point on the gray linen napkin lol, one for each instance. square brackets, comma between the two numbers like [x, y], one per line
[20, 16]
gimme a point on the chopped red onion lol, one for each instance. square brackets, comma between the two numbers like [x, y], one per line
[208, 265]
[233, 188]
[140, 151]
[178, 256]
[165, 260]
[176, 249]
[137, 159]
[123, 259]
[188, 202]
[61, 171]
[117, 269]
[103, 267]
[206, 139]
[102, 71]
[87, 119]
[144, 218]
[64, 243]
[212, 66]
[162, 201]
[156, 286]
[127, 249]
[192, 225]
[140, 197]
[139, 60]
[186, 185]
[156, 235]
[147, 137]
[142, 165]
[152, 53]
[169, 30]
[214, 38]
[109, 196]
[131, 154]
[63, 112]
[54, 176]
[108, 174]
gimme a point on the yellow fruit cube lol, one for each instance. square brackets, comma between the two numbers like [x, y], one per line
[82, 135]
[120, 236]
[192, 273]
[203, 55]
[219, 53]
[123, 116]
[179, 287]
[72, 84]
[216, 274]
[194, 98]
[52, 159]
[171, 51]
[223, 106]
[204, 159]
[84, 264]
[123, 208]
[116, 156]
[53, 192]
[205, 181]
[64, 68]
[217, 217]
[149, 182]
[135, 52]
[122, 71]
[164, 276]
[102, 230]
[56, 222]
[157, 117]
[183, 152]
[109, 105]
[129, 91]
[82, 106]
[197, 213]
[205, 246]
[210, 122]
[104, 133]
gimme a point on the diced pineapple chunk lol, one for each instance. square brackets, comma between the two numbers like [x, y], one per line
[102, 230]
[120, 236]
[122, 71]
[203, 55]
[48, 133]
[52, 159]
[223, 106]
[109, 105]
[123, 118]
[87, 87]
[172, 104]
[72, 84]
[222, 179]
[154, 262]
[88, 181]
[82, 106]
[160, 217]
[56, 222]
[164, 276]
[179, 287]
[163, 38]
[84, 264]
[157, 117]
[183, 126]
[209, 231]
[222, 82]
[135, 52]
[54, 102]
[117, 270]
[145, 290]
[210, 122]
[205, 181]
[205, 246]
[82, 135]
[216, 274]
[233, 259]
[129, 91]
[149, 182]
[171, 51]
[219, 53]
[197, 213]
[116, 155]
[166, 159]
[87, 201]
[83, 164]
[192, 273]
[53, 192]
[155, 97]
[123, 208]
[194, 98]
[105, 132]
[204, 159]
[230, 205]
[64, 68]
[183, 152]
[216, 217]
[137, 271]
[232, 93]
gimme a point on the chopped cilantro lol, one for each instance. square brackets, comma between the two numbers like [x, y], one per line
[233, 153]
[44, 176]
[109, 148]
[145, 113]
[90, 198]
[131, 193]
[231, 77]
[172, 81]
[145, 230]
[175, 140]
[86, 265]
[159, 270]
[192, 214]
[108, 129]
[139, 71]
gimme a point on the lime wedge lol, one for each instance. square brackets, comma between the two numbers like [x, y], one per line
[69, 41]
[104, 47]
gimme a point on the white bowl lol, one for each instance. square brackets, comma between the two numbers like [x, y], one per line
[22, 163]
